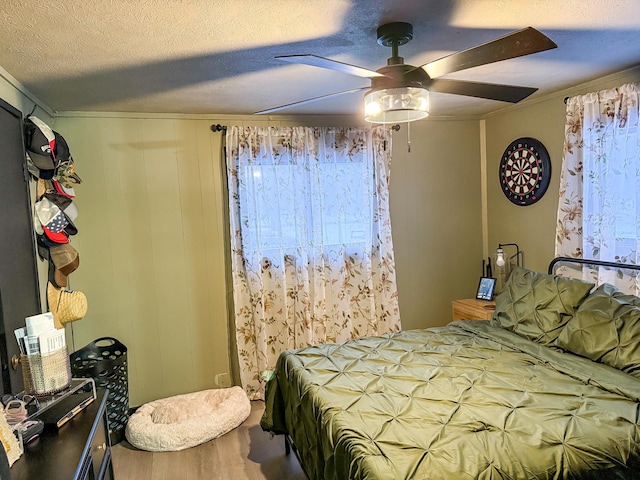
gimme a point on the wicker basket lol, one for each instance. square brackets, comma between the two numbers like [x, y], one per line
[46, 374]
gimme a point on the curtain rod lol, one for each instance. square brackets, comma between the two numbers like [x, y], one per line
[217, 127]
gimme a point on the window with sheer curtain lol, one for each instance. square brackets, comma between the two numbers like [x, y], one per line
[312, 254]
[599, 207]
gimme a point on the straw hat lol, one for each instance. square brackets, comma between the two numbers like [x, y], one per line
[66, 305]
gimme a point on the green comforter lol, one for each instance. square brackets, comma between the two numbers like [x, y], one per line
[464, 401]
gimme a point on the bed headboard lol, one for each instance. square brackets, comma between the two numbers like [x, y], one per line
[586, 261]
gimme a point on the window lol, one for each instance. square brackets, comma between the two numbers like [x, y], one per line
[599, 205]
[336, 210]
[312, 256]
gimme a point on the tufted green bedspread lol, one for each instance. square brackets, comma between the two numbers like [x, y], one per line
[464, 401]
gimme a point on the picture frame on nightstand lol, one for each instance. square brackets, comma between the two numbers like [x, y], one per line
[486, 286]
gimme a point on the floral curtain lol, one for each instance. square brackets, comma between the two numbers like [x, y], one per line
[312, 256]
[599, 207]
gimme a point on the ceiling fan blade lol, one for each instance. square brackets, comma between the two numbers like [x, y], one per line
[516, 44]
[316, 61]
[492, 91]
[309, 100]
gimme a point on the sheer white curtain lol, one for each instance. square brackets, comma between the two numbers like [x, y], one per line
[312, 254]
[599, 208]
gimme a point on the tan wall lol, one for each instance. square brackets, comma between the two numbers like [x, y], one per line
[436, 217]
[151, 245]
[533, 227]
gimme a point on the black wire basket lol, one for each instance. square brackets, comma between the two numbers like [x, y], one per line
[105, 360]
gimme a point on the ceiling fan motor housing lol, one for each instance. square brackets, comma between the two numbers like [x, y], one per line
[396, 73]
[400, 75]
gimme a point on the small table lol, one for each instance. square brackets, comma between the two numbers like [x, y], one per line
[472, 309]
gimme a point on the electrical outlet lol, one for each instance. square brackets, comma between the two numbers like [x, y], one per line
[221, 380]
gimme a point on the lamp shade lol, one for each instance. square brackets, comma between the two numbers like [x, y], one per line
[396, 105]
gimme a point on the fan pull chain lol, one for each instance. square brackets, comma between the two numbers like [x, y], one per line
[395, 128]
[384, 142]
[408, 137]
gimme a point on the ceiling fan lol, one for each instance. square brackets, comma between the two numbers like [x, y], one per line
[400, 92]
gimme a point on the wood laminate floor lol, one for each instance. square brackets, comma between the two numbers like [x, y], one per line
[244, 453]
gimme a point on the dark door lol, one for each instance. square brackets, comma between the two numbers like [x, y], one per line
[19, 291]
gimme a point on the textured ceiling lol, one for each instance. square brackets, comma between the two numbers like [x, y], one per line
[216, 56]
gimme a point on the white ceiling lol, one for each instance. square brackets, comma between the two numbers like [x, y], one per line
[216, 56]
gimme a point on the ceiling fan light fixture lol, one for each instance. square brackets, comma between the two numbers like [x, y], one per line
[396, 105]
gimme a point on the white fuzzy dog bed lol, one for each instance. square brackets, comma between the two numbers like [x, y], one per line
[184, 421]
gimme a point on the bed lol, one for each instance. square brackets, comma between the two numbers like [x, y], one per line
[549, 388]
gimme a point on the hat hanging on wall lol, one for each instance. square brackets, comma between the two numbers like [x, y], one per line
[40, 143]
[38, 172]
[66, 305]
[61, 189]
[64, 261]
[65, 170]
[53, 221]
[48, 155]
[68, 208]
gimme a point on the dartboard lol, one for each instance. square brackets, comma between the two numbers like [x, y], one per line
[525, 171]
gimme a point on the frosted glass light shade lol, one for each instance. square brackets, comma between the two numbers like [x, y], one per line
[396, 105]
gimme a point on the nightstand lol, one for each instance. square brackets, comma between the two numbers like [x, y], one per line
[472, 309]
